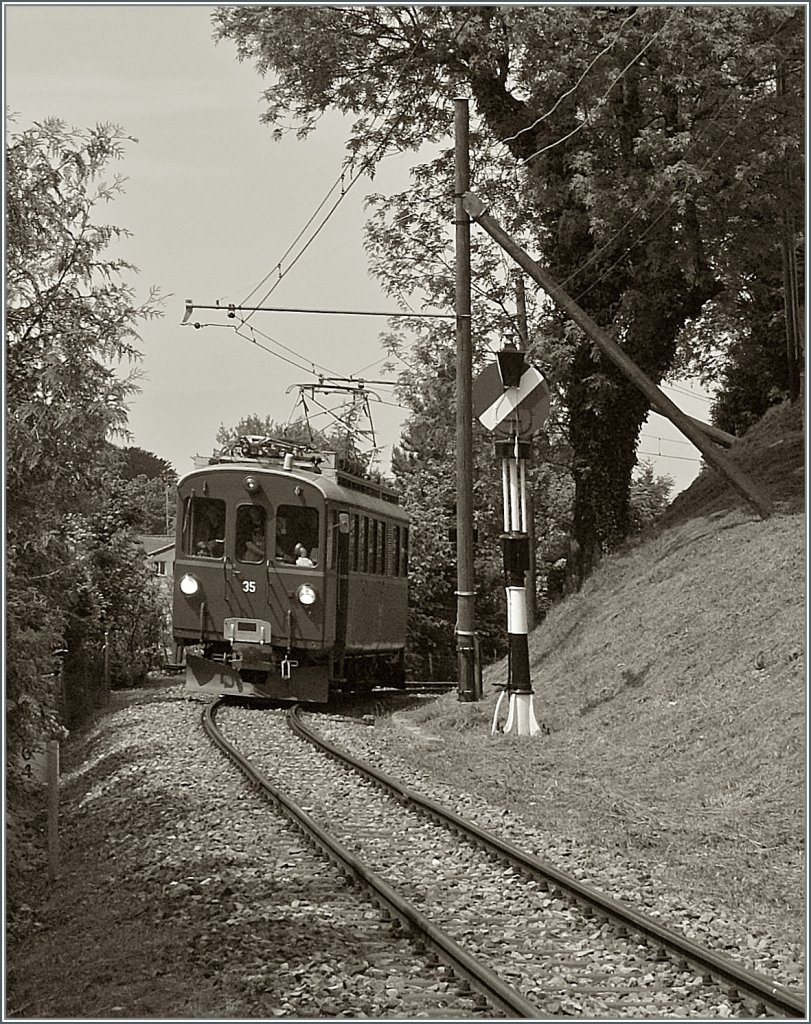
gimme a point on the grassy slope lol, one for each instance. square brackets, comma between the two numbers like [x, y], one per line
[673, 686]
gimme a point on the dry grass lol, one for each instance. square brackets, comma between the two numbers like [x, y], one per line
[673, 689]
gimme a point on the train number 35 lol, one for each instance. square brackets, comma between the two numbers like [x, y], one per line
[249, 586]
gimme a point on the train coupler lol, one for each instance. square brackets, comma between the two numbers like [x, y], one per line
[286, 666]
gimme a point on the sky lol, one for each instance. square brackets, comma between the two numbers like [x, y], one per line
[213, 204]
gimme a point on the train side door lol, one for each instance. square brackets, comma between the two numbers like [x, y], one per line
[245, 566]
[341, 541]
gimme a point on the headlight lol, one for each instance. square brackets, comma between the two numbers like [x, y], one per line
[189, 584]
[306, 594]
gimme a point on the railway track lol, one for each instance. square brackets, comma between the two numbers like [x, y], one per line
[530, 940]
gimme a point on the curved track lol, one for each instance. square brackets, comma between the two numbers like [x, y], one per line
[737, 983]
[484, 981]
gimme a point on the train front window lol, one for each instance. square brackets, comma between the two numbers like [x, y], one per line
[250, 533]
[297, 535]
[204, 527]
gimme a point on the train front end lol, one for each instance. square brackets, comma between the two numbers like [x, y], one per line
[251, 592]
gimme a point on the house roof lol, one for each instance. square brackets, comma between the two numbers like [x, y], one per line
[154, 545]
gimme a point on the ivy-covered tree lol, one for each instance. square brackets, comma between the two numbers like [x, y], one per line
[631, 147]
[71, 339]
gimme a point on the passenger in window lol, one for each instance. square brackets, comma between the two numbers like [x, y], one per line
[211, 523]
[251, 545]
[302, 556]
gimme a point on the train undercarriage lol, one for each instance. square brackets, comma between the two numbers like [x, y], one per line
[270, 673]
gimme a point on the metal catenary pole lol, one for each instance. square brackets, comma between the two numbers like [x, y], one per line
[468, 689]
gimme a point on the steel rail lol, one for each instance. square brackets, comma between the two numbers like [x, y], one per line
[739, 980]
[501, 995]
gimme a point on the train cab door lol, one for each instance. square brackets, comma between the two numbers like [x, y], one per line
[245, 564]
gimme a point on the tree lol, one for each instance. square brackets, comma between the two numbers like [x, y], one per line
[424, 469]
[300, 432]
[115, 600]
[641, 139]
[70, 328]
[145, 492]
[138, 462]
[649, 497]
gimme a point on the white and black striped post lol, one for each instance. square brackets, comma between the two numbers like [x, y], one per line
[511, 399]
[515, 546]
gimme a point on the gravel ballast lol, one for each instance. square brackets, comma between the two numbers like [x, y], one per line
[714, 926]
[183, 894]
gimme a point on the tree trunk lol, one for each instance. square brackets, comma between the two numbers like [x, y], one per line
[606, 412]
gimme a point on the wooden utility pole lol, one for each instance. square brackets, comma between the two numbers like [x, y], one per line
[465, 595]
[719, 461]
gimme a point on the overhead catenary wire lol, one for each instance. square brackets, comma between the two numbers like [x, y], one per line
[667, 440]
[678, 458]
[689, 394]
[640, 237]
[365, 165]
[292, 245]
[311, 368]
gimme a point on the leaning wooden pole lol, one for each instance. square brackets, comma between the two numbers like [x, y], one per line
[718, 460]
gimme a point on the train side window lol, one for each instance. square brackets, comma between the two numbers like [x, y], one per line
[332, 541]
[381, 548]
[297, 535]
[341, 527]
[203, 533]
[354, 545]
[371, 542]
[404, 552]
[364, 523]
[395, 551]
[250, 533]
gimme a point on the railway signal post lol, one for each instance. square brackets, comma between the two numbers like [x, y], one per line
[511, 399]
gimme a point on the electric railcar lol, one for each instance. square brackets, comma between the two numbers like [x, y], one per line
[290, 576]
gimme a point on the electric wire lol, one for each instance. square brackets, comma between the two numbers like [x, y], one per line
[667, 440]
[603, 98]
[543, 117]
[252, 340]
[287, 252]
[367, 163]
[311, 368]
[645, 204]
[684, 391]
[666, 210]
[678, 458]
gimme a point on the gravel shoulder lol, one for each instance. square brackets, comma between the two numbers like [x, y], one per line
[182, 895]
